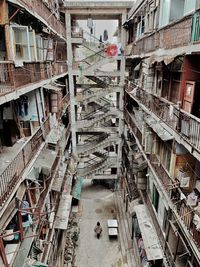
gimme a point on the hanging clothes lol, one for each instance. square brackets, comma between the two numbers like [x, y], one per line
[90, 25]
[100, 39]
[105, 35]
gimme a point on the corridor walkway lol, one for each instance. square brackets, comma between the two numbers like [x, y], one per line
[97, 204]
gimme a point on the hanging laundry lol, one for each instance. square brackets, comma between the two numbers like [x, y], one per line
[196, 221]
[171, 112]
[22, 105]
[105, 35]
[90, 25]
[100, 39]
[192, 199]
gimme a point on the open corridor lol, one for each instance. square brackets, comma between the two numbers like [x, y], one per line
[97, 204]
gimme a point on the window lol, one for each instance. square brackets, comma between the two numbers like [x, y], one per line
[140, 26]
[164, 153]
[171, 10]
[189, 6]
[164, 12]
[151, 17]
[33, 51]
[39, 48]
[20, 43]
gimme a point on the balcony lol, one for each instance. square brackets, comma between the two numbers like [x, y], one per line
[184, 213]
[130, 120]
[12, 77]
[169, 37]
[38, 7]
[11, 174]
[185, 124]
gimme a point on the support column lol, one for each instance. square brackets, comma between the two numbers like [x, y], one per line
[71, 81]
[121, 96]
[4, 20]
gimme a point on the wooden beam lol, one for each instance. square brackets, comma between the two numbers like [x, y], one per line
[4, 12]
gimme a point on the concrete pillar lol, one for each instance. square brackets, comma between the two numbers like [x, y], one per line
[71, 80]
[121, 96]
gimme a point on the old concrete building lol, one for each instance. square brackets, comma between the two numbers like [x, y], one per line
[74, 106]
[33, 99]
[162, 117]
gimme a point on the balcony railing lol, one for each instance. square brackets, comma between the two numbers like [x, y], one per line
[187, 125]
[12, 174]
[44, 12]
[164, 38]
[185, 212]
[134, 128]
[12, 77]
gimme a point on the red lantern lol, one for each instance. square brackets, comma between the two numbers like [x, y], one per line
[112, 50]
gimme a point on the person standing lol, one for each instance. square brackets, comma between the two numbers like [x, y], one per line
[98, 229]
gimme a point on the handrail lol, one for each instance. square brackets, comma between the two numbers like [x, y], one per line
[11, 175]
[182, 122]
[104, 156]
[91, 114]
[93, 55]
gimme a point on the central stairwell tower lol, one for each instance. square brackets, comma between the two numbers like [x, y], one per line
[96, 85]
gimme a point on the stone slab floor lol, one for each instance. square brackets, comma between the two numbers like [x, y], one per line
[97, 204]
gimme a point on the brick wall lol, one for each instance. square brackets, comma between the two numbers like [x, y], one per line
[177, 35]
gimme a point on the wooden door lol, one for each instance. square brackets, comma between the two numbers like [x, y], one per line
[188, 96]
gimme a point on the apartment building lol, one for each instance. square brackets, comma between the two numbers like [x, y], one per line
[161, 155]
[35, 182]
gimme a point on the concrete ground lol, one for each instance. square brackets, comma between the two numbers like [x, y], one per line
[98, 204]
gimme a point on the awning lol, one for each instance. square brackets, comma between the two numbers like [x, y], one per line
[58, 181]
[43, 163]
[76, 193]
[167, 59]
[51, 86]
[62, 216]
[151, 242]
[159, 129]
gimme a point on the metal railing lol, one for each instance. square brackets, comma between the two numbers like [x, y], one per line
[12, 77]
[94, 165]
[185, 124]
[46, 14]
[96, 141]
[185, 212]
[12, 174]
[93, 114]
